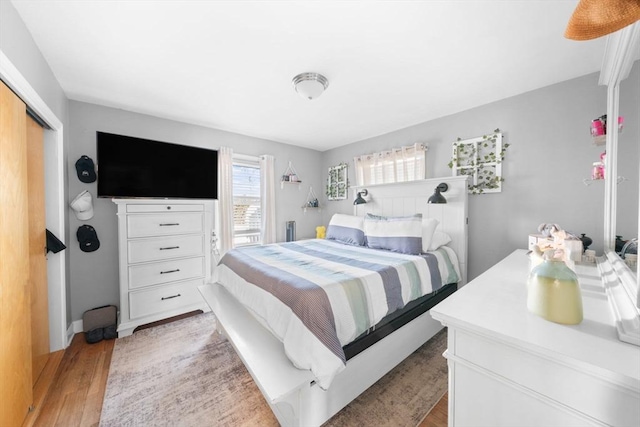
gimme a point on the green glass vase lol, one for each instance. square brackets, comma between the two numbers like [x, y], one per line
[553, 293]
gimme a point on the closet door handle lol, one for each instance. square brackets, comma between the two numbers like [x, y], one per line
[169, 247]
[170, 271]
[169, 224]
[172, 296]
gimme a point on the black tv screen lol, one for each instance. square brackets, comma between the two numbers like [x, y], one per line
[136, 167]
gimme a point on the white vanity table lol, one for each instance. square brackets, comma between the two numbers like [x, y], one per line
[508, 367]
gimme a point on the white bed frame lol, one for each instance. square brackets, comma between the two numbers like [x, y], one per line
[292, 394]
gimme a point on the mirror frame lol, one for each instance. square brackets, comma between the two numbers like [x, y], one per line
[622, 286]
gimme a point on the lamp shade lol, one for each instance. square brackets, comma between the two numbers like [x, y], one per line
[596, 18]
[310, 85]
[437, 197]
[359, 199]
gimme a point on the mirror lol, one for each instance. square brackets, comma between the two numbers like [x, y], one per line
[626, 227]
[621, 200]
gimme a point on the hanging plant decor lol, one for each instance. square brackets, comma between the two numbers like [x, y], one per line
[337, 182]
[481, 159]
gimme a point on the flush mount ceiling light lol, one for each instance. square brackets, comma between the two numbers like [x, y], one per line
[310, 85]
[597, 18]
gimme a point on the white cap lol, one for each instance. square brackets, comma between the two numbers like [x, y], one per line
[82, 206]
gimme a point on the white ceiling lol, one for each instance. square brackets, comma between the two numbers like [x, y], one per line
[229, 64]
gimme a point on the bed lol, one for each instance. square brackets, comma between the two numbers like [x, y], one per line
[306, 372]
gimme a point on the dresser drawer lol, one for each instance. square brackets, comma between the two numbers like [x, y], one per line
[165, 248]
[165, 298]
[165, 271]
[164, 225]
[166, 208]
[577, 386]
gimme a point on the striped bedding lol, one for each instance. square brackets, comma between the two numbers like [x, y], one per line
[318, 295]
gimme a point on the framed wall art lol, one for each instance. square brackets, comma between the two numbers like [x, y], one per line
[481, 159]
[337, 182]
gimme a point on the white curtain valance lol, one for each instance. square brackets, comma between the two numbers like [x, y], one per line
[396, 165]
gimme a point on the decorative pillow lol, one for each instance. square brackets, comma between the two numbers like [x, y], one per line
[347, 229]
[439, 239]
[398, 234]
[428, 227]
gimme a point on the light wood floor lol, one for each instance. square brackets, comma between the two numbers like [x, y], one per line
[439, 414]
[75, 398]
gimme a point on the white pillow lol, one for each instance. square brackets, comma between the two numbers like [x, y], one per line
[439, 239]
[428, 228]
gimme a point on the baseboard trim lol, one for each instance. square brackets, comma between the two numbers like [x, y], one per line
[73, 329]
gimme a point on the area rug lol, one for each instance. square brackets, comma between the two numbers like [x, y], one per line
[186, 374]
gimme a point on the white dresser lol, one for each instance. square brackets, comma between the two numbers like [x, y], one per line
[508, 367]
[164, 255]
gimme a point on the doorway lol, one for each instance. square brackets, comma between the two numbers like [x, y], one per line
[55, 196]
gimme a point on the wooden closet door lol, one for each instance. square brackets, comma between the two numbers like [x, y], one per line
[16, 393]
[37, 249]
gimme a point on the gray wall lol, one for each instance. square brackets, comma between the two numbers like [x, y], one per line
[550, 154]
[18, 45]
[94, 276]
[16, 42]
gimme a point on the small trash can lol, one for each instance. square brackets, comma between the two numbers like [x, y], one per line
[291, 231]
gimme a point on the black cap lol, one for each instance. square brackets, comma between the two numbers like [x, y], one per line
[88, 238]
[86, 169]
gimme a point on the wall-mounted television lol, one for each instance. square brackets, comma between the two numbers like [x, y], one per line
[131, 167]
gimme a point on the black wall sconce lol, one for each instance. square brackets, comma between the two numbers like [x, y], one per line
[359, 200]
[437, 197]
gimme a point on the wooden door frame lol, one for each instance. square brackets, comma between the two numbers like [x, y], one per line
[54, 154]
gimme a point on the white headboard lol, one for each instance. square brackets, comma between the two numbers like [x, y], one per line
[408, 198]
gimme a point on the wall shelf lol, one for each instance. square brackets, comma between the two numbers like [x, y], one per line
[290, 176]
[589, 181]
[599, 125]
[283, 183]
[311, 202]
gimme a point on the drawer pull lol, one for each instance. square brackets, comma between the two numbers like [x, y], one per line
[169, 224]
[170, 271]
[169, 247]
[172, 296]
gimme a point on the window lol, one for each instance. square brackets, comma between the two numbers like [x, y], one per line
[246, 201]
[396, 165]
